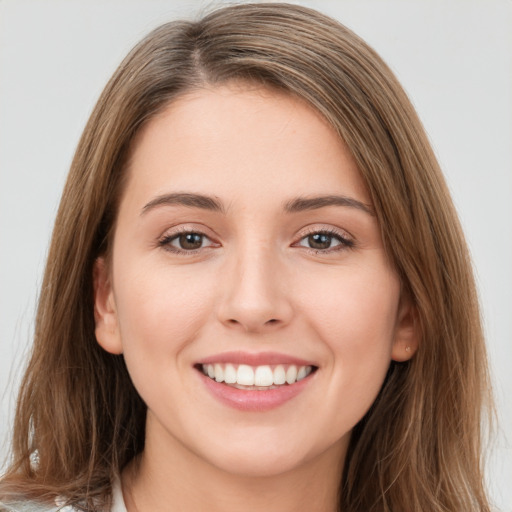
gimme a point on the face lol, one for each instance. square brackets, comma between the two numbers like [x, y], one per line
[248, 288]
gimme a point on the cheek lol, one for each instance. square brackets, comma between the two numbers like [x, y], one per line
[353, 304]
[354, 314]
[160, 310]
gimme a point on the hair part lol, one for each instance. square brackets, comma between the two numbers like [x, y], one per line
[419, 446]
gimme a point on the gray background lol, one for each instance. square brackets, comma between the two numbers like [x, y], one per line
[454, 58]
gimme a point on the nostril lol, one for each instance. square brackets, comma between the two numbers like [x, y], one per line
[253, 324]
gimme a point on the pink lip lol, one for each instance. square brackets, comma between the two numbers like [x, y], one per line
[255, 359]
[254, 400]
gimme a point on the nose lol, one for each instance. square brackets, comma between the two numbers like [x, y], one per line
[254, 296]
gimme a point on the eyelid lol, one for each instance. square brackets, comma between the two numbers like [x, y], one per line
[327, 229]
[187, 227]
[172, 233]
[346, 239]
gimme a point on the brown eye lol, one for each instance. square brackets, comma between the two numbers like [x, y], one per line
[325, 241]
[320, 241]
[189, 241]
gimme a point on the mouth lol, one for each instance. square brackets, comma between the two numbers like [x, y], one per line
[256, 378]
[255, 382]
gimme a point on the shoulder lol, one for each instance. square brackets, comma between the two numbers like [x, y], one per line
[32, 506]
[35, 506]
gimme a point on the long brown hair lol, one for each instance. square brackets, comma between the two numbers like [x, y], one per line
[419, 446]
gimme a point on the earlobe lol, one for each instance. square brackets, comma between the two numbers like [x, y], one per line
[407, 332]
[105, 314]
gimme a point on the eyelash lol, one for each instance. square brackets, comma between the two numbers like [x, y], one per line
[344, 242]
[165, 241]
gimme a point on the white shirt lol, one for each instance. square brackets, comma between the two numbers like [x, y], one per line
[118, 504]
[117, 497]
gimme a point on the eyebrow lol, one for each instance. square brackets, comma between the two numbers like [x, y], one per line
[313, 203]
[298, 204]
[185, 199]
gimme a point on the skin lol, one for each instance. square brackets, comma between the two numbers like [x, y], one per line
[255, 285]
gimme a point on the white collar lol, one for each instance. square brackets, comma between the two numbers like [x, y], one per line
[117, 497]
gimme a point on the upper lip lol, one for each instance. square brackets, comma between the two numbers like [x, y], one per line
[255, 359]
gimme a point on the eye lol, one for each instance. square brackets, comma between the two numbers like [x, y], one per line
[187, 241]
[325, 241]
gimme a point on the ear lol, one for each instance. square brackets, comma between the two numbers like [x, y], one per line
[407, 331]
[105, 315]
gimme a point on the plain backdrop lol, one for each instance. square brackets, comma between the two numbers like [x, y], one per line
[454, 58]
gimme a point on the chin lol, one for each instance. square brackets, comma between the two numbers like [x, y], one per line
[270, 456]
[253, 465]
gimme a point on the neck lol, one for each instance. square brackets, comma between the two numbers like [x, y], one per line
[174, 477]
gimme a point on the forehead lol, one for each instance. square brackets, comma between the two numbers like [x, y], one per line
[241, 140]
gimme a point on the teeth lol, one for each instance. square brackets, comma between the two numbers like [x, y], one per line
[291, 374]
[230, 374]
[279, 375]
[245, 375]
[219, 373]
[300, 374]
[258, 376]
[263, 376]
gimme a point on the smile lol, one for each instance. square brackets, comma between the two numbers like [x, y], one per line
[263, 377]
[255, 382]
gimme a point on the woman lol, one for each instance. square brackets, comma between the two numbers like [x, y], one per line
[257, 293]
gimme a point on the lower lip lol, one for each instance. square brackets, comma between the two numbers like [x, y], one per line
[254, 400]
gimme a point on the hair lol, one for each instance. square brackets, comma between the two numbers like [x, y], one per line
[419, 446]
